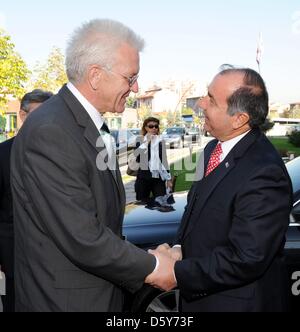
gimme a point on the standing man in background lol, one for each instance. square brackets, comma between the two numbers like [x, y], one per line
[30, 102]
[70, 254]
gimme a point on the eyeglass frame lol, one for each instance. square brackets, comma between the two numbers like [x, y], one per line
[153, 126]
[131, 80]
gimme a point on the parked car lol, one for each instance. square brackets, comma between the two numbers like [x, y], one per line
[149, 226]
[192, 136]
[135, 131]
[125, 143]
[174, 137]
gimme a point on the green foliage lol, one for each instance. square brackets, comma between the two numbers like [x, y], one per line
[294, 138]
[174, 119]
[2, 123]
[295, 113]
[143, 114]
[187, 111]
[283, 146]
[51, 75]
[131, 102]
[13, 71]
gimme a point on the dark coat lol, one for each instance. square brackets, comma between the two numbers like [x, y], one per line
[6, 211]
[70, 255]
[233, 232]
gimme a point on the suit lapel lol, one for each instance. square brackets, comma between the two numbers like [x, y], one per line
[92, 135]
[204, 188]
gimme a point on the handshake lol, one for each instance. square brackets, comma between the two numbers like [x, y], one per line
[163, 277]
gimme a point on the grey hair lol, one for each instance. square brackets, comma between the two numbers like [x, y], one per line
[96, 42]
[252, 98]
[35, 96]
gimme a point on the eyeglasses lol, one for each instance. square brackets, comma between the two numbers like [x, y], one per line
[131, 80]
[153, 126]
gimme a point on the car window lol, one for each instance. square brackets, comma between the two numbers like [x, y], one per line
[135, 131]
[293, 168]
[171, 131]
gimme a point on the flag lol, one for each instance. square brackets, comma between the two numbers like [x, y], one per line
[259, 49]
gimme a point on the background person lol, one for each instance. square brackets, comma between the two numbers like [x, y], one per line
[30, 102]
[232, 233]
[153, 175]
[73, 257]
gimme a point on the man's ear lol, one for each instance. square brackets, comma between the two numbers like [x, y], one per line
[23, 115]
[241, 119]
[94, 77]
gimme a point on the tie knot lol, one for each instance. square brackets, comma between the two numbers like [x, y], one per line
[105, 128]
[214, 159]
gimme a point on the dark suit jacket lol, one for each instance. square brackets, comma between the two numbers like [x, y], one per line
[70, 255]
[6, 210]
[233, 232]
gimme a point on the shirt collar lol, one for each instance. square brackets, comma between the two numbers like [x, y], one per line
[229, 145]
[92, 111]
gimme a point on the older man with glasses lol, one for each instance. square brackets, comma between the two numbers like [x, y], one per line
[70, 207]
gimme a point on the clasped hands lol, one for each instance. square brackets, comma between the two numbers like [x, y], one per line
[163, 277]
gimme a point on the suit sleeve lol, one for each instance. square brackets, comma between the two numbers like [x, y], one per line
[57, 180]
[260, 219]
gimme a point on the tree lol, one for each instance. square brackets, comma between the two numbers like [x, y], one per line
[131, 102]
[174, 119]
[13, 71]
[51, 75]
[187, 111]
[2, 123]
[143, 113]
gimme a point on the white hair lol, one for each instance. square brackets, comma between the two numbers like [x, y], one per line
[96, 42]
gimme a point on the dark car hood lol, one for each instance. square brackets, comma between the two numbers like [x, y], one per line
[144, 225]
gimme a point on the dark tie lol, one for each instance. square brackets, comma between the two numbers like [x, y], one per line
[214, 160]
[105, 128]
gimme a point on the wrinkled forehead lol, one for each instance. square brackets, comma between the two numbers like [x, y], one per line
[226, 84]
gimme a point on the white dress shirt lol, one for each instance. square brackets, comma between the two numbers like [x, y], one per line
[229, 145]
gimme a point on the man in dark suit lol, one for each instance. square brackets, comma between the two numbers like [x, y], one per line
[232, 233]
[30, 102]
[69, 199]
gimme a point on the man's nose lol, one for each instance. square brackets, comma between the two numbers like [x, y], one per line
[135, 87]
[202, 102]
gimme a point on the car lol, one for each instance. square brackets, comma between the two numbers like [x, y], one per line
[125, 144]
[135, 131]
[174, 137]
[192, 136]
[148, 226]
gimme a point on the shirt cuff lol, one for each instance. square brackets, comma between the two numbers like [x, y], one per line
[157, 264]
[177, 246]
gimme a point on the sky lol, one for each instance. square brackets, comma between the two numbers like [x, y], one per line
[185, 39]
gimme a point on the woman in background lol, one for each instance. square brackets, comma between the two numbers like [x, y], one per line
[153, 175]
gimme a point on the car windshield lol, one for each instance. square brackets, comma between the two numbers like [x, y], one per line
[135, 131]
[122, 135]
[171, 131]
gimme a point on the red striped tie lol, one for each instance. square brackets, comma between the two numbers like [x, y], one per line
[214, 159]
